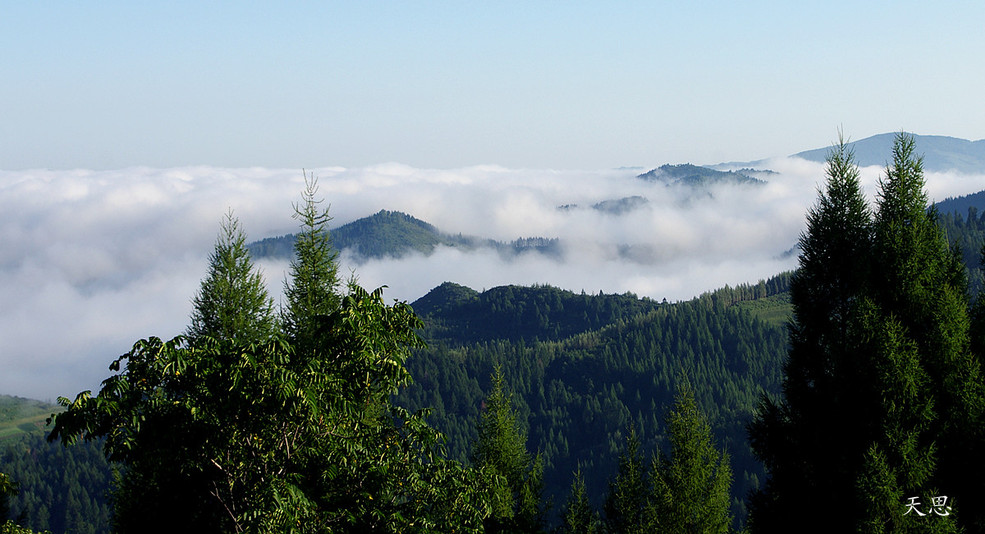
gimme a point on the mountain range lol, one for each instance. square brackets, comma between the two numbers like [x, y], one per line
[583, 368]
[940, 153]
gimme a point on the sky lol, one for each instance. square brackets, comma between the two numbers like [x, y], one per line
[583, 85]
[128, 129]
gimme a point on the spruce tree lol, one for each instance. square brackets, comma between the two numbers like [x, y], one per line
[902, 457]
[883, 397]
[232, 302]
[922, 286]
[578, 516]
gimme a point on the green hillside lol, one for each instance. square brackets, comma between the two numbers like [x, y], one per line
[386, 233]
[583, 368]
[961, 204]
[60, 489]
[19, 416]
[695, 176]
[394, 234]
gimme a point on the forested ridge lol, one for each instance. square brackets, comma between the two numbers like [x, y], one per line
[395, 234]
[856, 379]
[597, 365]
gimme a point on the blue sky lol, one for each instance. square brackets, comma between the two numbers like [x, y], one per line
[449, 84]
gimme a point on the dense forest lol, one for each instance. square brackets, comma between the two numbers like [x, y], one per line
[855, 380]
[586, 369]
[967, 233]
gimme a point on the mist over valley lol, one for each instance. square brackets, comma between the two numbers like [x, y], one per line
[93, 260]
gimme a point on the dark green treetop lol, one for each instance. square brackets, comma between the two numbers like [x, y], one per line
[578, 517]
[626, 505]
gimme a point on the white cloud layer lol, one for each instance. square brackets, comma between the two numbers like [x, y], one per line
[92, 261]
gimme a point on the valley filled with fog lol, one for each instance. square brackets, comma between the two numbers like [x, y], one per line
[94, 260]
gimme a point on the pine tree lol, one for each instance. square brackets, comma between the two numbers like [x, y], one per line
[232, 302]
[501, 449]
[691, 487]
[312, 288]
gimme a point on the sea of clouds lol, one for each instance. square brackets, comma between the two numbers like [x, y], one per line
[92, 261]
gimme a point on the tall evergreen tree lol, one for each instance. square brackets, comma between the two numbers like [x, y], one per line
[578, 516]
[922, 286]
[501, 448]
[691, 486]
[232, 302]
[626, 505]
[802, 439]
[312, 288]
[882, 396]
[901, 459]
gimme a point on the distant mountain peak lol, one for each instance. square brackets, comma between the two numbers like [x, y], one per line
[940, 153]
[696, 176]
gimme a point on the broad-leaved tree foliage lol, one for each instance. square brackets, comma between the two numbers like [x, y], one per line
[228, 429]
[8, 488]
[882, 399]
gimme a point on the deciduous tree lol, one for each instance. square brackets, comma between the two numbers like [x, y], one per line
[227, 430]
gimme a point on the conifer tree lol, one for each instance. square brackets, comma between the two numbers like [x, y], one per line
[922, 287]
[312, 288]
[232, 301]
[902, 456]
[626, 505]
[691, 486]
[883, 397]
[805, 440]
[501, 449]
[578, 516]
